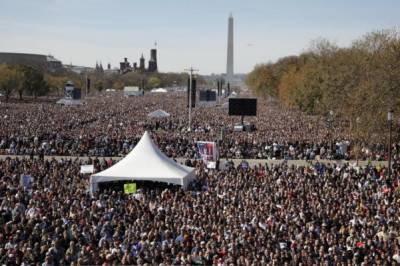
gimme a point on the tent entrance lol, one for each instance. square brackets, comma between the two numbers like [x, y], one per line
[118, 186]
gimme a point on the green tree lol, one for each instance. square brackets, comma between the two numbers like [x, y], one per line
[153, 82]
[99, 85]
[10, 80]
[56, 83]
[359, 83]
[21, 76]
[34, 82]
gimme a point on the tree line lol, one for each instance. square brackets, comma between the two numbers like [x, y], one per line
[20, 80]
[359, 83]
[118, 81]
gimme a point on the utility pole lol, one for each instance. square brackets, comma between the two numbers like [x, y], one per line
[390, 119]
[86, 84]
[190, 70]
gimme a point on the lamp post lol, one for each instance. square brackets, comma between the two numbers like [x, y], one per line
[390, 119]
[358, 121]
[86, 84]
[191, 70]
[330, 120]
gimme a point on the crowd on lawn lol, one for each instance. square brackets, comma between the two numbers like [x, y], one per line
[266, 214]
[111, 125]
[323, 214]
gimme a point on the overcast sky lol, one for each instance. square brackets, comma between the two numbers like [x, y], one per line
[187, 32]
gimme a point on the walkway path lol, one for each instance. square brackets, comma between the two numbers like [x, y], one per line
[251, 162]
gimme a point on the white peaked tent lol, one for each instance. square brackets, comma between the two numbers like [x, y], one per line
[147, 163]
[158, 114]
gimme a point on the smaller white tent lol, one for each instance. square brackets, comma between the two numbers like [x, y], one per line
[158, 114]
[146, 163]
[162, 90]
[69, 102]
[132, 91]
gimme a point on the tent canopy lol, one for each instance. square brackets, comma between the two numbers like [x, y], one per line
[70, 102]
[133, 91]
[145, 162]
[131, 88]
[158, 114]
[162, 90]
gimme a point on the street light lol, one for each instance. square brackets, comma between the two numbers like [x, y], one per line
[358, 121]
[330, 121]
[390, 119]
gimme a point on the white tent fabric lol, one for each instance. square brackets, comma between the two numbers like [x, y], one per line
[162, 90]
[133, 91]
[69, 102]
[145, 162]
[158, 114]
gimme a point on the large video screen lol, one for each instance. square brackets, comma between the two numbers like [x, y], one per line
[243, 106]
[208, 96]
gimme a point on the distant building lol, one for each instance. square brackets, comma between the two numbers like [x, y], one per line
[125, 66]
[44, 62]
[78, 69]
[141, 64]
[99, 68]
[152, 66]
[153, 61]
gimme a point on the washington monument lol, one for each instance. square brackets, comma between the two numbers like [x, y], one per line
[229, 62]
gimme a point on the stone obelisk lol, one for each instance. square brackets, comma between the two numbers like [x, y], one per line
[229, 62]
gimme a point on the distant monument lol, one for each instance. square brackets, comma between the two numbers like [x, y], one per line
[229, 62]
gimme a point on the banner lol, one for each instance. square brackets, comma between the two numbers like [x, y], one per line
[211, 165]
[208, 151]
[130, 188]
[26, 181]
[87, 169]
[244, 165]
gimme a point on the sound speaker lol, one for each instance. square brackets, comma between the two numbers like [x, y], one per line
[193, 93]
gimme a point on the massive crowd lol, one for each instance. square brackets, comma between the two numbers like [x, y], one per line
[111, 125]
[267, 214]
[263, 215]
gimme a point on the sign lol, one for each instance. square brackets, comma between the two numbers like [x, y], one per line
[87, 169]
[130, 188]
[26, 181]
[208, 151]
[211, 165]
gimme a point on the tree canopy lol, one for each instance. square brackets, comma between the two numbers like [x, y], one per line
[360, 82]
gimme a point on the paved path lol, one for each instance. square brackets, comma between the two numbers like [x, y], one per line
[251, 162]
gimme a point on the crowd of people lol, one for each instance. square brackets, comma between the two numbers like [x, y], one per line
[322, 214]
[263, 214]
[111, 125]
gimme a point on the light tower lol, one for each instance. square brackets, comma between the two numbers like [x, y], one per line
[229, 62]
